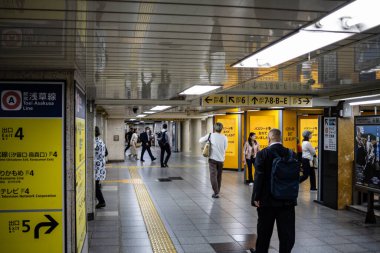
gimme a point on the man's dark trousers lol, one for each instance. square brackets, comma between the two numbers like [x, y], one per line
[144, 147]
[285, 220]
[165, 148]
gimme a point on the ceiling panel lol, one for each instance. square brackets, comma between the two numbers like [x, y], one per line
[155, 49]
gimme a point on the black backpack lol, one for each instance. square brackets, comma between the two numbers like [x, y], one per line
[285, 176]
[162, 140]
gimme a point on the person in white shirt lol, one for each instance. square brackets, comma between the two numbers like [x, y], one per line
[218, 148]
[308, 153]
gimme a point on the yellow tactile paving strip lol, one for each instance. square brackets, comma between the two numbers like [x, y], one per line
[159, 237]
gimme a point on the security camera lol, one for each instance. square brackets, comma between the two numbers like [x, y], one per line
[310, 81]
[135, 109]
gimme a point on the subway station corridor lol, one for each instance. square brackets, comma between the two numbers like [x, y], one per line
[85, 83]
[197, 223]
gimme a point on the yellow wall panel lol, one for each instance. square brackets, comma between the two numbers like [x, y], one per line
[230, 129]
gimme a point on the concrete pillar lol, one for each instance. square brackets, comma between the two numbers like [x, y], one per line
[185, 136]
[90, 186]
[196, 130]
[115, 140]
[210, 124]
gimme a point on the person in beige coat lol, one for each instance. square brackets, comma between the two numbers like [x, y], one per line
[134, 140]
[251, 147]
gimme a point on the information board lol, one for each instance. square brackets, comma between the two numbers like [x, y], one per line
[80, 167]
[329, 134]
[32, 170]
[367, 152]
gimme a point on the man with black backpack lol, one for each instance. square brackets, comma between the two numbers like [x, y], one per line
[275, 193]
[163, 141]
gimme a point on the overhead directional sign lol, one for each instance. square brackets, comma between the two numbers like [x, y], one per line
[214, 100]
[241, 100]
[257, 100]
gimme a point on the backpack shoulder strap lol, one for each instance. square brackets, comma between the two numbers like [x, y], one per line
[209, 136]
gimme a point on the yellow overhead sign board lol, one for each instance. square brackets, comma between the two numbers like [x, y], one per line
[214, 100]
[257, 100]
[241, 100]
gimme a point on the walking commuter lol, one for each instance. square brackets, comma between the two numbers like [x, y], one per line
[134, 140]
[100, 167]
[251, 147]
[271, 204]
[163, 141]
[218, 148]
[145, 144]
[308, 155]
[128, 137]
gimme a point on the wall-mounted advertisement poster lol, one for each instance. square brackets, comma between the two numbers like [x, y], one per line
[367, 151]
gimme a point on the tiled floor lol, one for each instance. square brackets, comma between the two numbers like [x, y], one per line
[198, 223]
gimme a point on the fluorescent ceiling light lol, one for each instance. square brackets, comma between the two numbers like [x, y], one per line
[199, 89]
[141, 116]
[276, 107]
[358, 97]
[160, 107]
[254, 110]
[368, 102]
[132, 119]
[149, 112]
[353, 18]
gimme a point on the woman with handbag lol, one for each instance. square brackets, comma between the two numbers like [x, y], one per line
[308, 157]
[134, 140]
[251, 147]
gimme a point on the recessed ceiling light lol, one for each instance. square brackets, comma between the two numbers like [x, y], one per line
[353, 18]
[132, 119]
[358, 97]
[160, 107]
[368, 102]
[199, 89]
[141, 116]
[149, 112]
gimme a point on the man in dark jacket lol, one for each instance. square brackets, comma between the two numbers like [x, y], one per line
[269, 209]
[145, 144]
[128, 137]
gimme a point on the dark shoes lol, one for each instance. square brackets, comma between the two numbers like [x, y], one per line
[100, 205]
[252, 250]
[142, 160]
[154, 158]
[215, 196]
[164, 165]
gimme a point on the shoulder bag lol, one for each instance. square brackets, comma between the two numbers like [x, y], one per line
[207, 147]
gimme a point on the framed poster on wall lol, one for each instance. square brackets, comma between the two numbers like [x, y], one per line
[367, 151]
